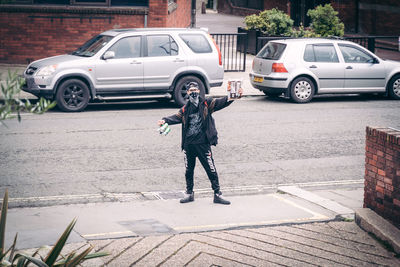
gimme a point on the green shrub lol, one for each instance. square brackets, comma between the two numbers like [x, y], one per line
[271, 22]
[325, 22]
[302, 32]
[11, 104]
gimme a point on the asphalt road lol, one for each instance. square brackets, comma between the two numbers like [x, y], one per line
[115, 148]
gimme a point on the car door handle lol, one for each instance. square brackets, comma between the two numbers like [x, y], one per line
[349, 68]
[179, 60]
[313, 67]
[136, 62]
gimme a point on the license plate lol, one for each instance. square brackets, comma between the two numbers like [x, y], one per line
[258, 79]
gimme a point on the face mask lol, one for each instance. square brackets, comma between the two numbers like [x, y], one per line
[194, 98]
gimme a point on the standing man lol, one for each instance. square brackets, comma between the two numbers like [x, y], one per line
[198, 134]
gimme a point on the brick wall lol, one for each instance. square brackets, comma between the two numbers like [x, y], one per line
[347, 13]
[31, 32]
[181, 16]
[382, 173]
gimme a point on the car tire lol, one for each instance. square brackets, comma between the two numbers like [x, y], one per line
[394, 87]
[302, 90]
[180, 95]
[72, 95]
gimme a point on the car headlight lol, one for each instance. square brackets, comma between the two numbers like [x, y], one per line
[47, 71]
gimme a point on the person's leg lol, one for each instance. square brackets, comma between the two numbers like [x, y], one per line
[205, 156]
[190, 163]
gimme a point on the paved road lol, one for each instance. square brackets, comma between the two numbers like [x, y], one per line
[115, 148]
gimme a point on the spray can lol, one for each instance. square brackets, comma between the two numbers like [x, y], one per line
[164, 129]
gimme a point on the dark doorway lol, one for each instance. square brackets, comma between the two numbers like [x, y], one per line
[299, 9]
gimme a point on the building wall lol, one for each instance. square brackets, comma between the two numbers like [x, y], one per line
[31, 32]
[382, 172]
[372, 17]
[379, 17]
[181, 16]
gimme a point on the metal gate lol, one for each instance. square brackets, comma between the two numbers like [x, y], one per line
[233, 47]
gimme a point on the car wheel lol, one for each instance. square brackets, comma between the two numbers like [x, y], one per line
[302, 90]
[394, 87]
[180, 94]
[72, 95]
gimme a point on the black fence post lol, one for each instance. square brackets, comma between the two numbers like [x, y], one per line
[371, 44]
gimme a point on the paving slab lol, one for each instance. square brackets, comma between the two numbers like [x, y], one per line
[157, 217]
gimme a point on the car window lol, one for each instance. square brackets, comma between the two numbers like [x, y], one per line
[92, 46]
[353, 54]
[127, 47]
[197, 42]
[320, 53]
[161, 45]
[272, 51]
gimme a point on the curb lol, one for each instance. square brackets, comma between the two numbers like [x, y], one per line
[371, 222]
[342, 211]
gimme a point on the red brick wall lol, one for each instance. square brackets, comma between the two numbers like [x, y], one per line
[26, 38]
[347, 13]
[382, 173]
[181, 16]
[158, 11]
[29, 33]
[380, 17]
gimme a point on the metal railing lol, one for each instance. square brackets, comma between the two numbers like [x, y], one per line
[233, 47]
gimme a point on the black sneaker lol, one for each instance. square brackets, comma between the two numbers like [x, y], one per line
[188, 198]
[219, 200]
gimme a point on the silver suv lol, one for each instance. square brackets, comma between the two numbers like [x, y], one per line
[302, 68]
[128, 63]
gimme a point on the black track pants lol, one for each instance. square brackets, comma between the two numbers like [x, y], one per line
[203, 152]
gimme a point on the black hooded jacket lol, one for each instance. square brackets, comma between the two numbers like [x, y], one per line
[206, 107]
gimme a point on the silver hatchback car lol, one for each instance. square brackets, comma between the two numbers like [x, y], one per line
[302, 68]
[151, 63]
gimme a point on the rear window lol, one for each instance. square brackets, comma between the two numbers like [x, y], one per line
[197, 42]
[272, 51]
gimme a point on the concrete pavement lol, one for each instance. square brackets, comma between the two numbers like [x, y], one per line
[291, 227]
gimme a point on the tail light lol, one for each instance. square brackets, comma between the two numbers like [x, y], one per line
[278, 67]
[219, 51]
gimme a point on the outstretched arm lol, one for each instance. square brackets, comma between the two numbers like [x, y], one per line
[222, 102]
[173, 119]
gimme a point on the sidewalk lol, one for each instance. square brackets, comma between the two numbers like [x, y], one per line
[281, 228]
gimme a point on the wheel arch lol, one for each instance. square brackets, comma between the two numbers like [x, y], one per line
[80, 77]
[191, 73]
[288, 93]
[390, 80]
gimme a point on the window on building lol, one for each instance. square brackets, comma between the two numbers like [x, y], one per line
[161, 45]
[320, 53]
[197, 42]
[52, 2]
[85, 2]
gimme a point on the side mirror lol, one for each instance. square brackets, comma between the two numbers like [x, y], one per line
[108, 55]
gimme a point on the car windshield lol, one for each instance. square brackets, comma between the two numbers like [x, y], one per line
[272, 51]
[92, 46]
